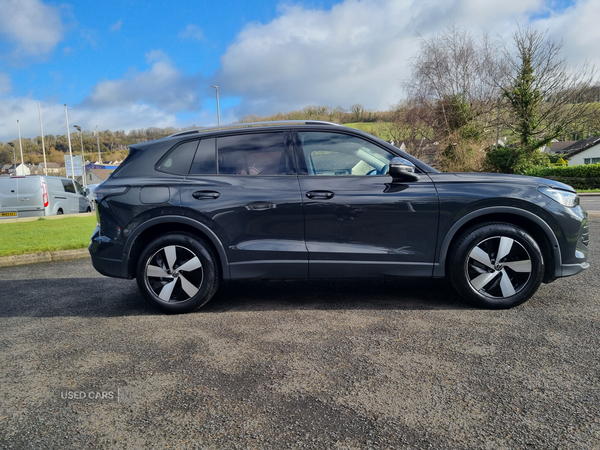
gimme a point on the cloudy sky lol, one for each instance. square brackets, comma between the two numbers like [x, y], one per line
[130, 64]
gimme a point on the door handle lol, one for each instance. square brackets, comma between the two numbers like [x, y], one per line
[206, 195]
[320, 194]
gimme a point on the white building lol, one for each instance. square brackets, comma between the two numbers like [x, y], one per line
[586, 151]
[21, 170]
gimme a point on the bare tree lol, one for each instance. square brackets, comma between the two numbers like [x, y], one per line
[455, 77]
[455, 91]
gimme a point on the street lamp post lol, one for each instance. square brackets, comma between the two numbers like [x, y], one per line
[14, 155]
[82, 155]
[21, 147]
[218, 111]
[43, 145]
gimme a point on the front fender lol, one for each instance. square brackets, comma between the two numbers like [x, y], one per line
[439, 269]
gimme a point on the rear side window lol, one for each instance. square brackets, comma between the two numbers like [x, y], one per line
[253, 154]
[179, 159]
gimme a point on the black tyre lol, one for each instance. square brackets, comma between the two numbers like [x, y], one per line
[60, 211]
[178, 273]
[496, 265]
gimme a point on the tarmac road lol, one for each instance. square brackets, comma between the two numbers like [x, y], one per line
[85, 363]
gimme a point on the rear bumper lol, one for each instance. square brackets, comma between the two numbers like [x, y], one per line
[107, 256]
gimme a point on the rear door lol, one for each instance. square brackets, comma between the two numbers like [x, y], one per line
[249, 195]
[23, 196]
[357, 222]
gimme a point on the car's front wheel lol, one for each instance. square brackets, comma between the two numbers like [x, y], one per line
[177, 273]
[496, 265]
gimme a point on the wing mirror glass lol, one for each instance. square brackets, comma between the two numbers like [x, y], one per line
[402, 170]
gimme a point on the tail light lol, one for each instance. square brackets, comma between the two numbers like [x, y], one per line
[45, 194]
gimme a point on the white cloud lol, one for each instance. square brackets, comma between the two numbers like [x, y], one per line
[5, 84]
[116, 26]
[127, 117]
[162, 86]
[34, 27]
[578, 27]
[191, 32]
[359, 51]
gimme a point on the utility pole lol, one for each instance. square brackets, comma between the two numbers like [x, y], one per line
[98, 141]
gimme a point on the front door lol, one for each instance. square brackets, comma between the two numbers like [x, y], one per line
[357, 222]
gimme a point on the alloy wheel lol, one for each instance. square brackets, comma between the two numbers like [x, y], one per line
[174, 274]
[498, 267]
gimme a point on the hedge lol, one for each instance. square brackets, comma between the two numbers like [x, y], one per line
[579, 171]
[583, 176]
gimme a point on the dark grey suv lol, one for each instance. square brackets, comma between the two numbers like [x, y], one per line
[314, 199]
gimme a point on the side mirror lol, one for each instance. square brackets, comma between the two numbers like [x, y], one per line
[402, 170]
[87, 192]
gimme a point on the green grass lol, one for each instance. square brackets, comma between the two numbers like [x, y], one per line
[378, 129]
[43, 235]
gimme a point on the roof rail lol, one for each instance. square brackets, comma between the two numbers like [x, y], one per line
[254, 124]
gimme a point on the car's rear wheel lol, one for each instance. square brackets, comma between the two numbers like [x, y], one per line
[177, 273]
[496, 265]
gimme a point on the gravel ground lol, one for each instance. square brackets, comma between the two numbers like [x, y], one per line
[306, 364]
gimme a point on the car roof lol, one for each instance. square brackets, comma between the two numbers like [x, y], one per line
[235, 126]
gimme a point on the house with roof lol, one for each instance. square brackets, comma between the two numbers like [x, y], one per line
[558, 147]
[18, 170]
[97, 176]
[586, 151]
[5, 169]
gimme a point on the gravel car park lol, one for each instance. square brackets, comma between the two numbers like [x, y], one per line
[302, 199]
[348, 364]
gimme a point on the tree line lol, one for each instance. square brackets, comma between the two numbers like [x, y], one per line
[113, 145]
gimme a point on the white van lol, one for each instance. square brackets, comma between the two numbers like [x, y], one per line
[37, 195]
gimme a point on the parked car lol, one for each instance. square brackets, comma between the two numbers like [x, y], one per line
[38, 195]
[313, 199]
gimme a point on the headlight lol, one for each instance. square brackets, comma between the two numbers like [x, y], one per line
[565, 198]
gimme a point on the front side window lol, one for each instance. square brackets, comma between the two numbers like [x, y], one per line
[68, 186]
[253, 154]
[341, 154]
[79, 188]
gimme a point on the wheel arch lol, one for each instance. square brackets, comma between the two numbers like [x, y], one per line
[158, 226]
[530, 222]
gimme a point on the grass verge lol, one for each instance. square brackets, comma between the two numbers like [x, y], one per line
[46, 235]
